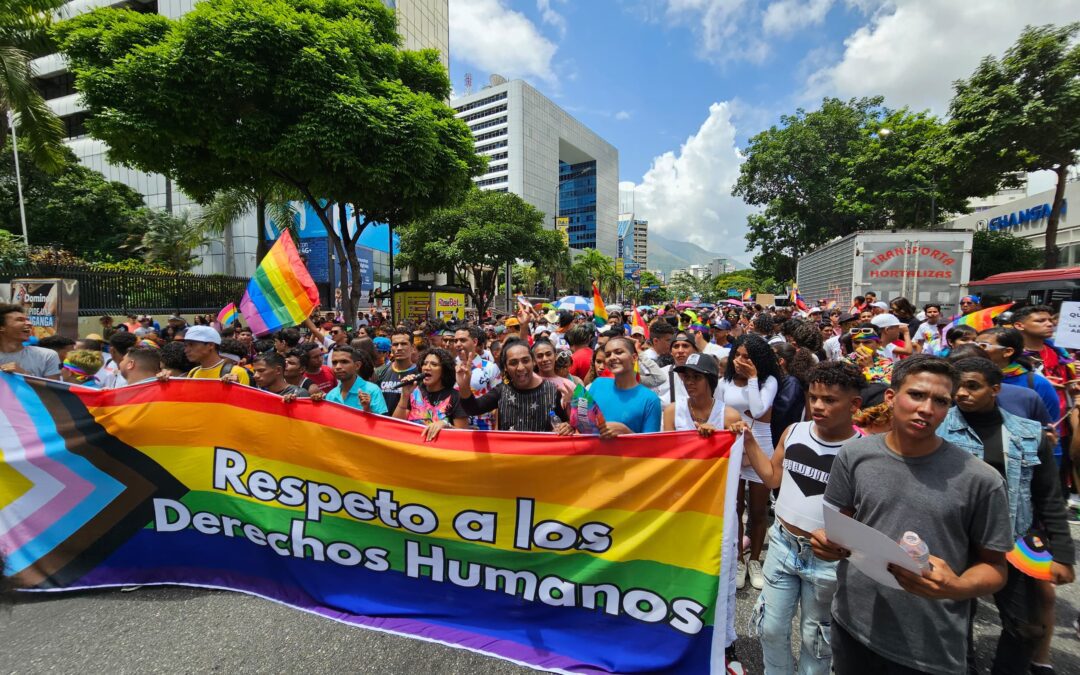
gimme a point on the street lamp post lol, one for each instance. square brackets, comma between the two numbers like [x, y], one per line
[18, 177]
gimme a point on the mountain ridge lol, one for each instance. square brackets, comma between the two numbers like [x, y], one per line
[666, 254]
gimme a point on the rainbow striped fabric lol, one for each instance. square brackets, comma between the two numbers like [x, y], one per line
[600, 315]
[227, 314]
[282, 292]
[566, 554]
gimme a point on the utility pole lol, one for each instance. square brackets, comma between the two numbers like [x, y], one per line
[18, 177]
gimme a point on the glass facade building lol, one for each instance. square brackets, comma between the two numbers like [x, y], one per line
[536, 150]
[577, 202]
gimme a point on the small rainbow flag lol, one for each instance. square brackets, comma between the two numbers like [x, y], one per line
[982, 319]
[227, 314]
[797, 299]
[636, 320]
[747, 295]
[599, 311]
[281, 293]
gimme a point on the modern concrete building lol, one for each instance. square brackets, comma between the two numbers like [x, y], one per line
[422, 24]
[633, 244]
[1027, 218]
[535, 149]
[720, 266]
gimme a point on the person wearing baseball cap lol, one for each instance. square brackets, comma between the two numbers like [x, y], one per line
[895, 337]
[201, 344]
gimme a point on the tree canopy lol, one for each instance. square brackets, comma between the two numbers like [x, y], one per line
[315, 95]
[1020, 113]
[478, 239]
[76, 209]
[997, 251]
[848, 166]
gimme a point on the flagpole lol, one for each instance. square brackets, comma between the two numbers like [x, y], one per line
[18, 177]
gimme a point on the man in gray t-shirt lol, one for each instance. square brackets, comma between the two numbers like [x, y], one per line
[15, 329]
[907, 480]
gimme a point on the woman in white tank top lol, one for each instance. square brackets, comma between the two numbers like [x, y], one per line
[702, 411]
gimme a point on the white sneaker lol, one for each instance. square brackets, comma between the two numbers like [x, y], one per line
[740, 574]
[757, 579]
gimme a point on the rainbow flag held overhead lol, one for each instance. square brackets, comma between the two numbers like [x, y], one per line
[282, 292]
[982, 319]
[227, 314]
[566, 554]
[599, 311]
[747, 295]
[636, 320]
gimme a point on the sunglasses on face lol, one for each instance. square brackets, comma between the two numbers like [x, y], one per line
[863, 334]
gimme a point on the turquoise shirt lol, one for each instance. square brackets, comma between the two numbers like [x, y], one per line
[352, 397]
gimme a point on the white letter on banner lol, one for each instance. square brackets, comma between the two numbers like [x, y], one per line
[476, 526]
[414, 561]
[229, 465]
[161, 515]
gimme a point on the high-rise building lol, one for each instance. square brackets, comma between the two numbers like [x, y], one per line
[633, 240]
[720, 266]
[422, 24]
[537, 150]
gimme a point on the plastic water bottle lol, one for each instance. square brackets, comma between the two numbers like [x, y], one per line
[915, 547]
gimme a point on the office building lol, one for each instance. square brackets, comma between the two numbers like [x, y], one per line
[633, 244]
[536, 150]
[422, 24]
[1026, 218]
[720, 266]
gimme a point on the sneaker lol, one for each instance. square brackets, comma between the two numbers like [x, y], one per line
[734, 666]
[757, 579]
[740, 575]
[1040, 669]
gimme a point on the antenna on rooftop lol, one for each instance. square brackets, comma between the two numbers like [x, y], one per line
[468, 83]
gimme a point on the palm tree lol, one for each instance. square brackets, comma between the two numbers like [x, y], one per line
[229, 206]
[24, 26]
[172, 240]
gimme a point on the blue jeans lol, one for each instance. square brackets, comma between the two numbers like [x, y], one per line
[794, 578]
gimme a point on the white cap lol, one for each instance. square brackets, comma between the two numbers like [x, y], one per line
[880, 305]
[885, 321]
[202, 334]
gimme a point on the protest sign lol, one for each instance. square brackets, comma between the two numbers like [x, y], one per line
[1067, 334]
[570, 554]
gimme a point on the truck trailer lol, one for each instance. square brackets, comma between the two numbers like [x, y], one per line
[921, 265]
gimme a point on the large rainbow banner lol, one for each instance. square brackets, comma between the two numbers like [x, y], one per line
[565, 554]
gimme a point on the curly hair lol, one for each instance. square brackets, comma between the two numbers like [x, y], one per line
[873, 416]
[797, 361]
[842, 374]
[762, 356]
[808, 336]
[446, 362]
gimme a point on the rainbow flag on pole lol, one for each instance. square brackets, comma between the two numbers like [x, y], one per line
[572, 555]
[227, 314]
[599, 312]
[282, 292]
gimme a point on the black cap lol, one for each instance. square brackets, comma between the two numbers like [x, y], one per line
[700, 363]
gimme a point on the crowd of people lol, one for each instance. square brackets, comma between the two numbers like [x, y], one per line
[899, 417]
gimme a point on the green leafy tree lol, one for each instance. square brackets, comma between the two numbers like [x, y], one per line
[320, 99]
[76, 209]
[997, 251]
[171, 241]
[24, 33]
[850, 165]
[477, 240]
[1020, 113]
[12, 249]
[228, 207]
[591, 265]
[650, 295]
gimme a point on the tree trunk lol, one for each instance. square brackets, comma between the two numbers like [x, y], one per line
[1050, 261]
[354, 260]
[262, 247]
[341, 247]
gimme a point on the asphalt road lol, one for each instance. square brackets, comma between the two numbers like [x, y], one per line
[171, 629]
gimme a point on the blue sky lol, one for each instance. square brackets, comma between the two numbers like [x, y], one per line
[678, 86]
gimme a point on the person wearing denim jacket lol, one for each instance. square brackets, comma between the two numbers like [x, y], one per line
[1022, 454]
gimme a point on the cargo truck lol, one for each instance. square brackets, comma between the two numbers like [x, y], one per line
[920, 265]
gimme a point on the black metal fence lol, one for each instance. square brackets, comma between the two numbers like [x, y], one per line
[119, 293]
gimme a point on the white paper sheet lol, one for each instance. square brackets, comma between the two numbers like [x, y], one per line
[871, 550]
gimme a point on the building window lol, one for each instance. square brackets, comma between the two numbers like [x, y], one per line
[61, 84]
[491, 181]
[490, 134]
[491, 146]
[484, 113]
[496, 167]
[489, 123]
[482, 102]
[75, 125]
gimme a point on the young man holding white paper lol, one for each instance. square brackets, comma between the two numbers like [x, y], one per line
[910, 479]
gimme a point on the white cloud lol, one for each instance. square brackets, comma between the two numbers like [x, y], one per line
[720, 26]
[687, 195]
[912, 50]
[787, 16]
[496, 39]
[622, 115]
[551, 17]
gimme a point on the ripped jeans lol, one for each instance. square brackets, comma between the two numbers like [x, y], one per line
[794, 578]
